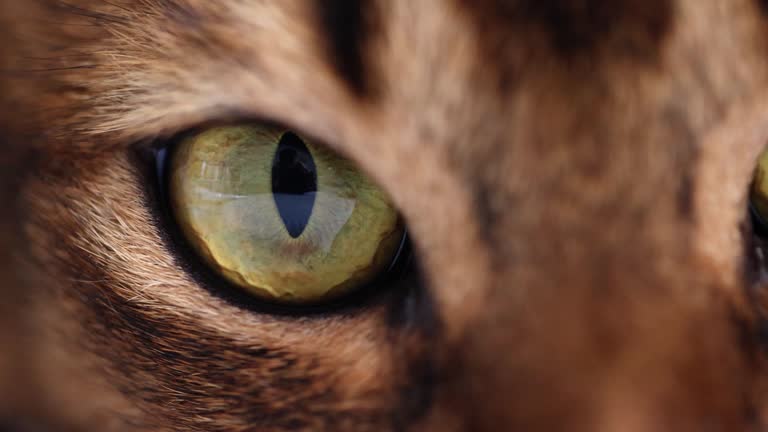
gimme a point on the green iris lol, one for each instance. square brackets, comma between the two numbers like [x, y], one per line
[759, 190]
[279, 216]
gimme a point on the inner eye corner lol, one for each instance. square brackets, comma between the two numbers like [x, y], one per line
[307, 210]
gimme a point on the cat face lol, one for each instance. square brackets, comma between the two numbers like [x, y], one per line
[573, 176]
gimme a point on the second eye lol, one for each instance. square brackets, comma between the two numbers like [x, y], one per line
[279, 216]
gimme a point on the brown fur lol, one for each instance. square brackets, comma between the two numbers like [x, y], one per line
[573, 175]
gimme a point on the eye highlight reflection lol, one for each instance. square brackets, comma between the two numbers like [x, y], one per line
[279, 216]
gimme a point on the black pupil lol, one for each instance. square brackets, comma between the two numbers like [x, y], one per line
[294, 183]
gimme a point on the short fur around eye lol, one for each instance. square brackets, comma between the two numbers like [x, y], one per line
[576, 194]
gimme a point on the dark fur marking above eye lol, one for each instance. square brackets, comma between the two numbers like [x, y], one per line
[576, 26]
[763, 5]
[516, 34]
[347, 27]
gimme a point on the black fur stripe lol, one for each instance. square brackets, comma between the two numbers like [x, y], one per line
[577, 27]
[763, 5]
[347, 27]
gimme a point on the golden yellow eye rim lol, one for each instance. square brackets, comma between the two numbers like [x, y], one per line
[278, 216]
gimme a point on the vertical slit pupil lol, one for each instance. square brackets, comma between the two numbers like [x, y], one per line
[294, 183]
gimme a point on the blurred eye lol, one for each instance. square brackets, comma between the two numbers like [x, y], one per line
[758, 197]
[279, 216]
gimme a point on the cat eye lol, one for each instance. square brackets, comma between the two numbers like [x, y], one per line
[758, 194]
[279, 216]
